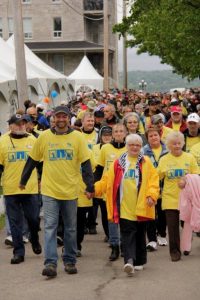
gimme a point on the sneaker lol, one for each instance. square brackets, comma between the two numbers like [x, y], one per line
[151, 246]
[129, 269]
[71, 268]
[78, 253]
[9, 241]
[161, 241]
[49, 271]
[25, 240]
[139, 268]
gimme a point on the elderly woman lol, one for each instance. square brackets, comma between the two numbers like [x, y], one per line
[172, 167]
[132, 188]
[134, 125]
[156, 230]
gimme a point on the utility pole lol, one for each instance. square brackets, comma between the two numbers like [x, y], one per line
[106, 45]
[22, 86]
[125, 73]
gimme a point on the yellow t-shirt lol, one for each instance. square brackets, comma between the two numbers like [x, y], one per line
[91, 138]
[13, 156]
[108, 154]
[176, 126]
[62, 156]
[191, 141]
[166, 131]
[129, 192]
[83, 201]
[96, 152]
[172, 168]
[195, 151]
[157, 152]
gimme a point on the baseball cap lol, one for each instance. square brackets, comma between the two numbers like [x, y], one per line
[28, 118]
[176, 109]
[40, 105]
[16, 118]
[193, 118]
[61, 109]
[105, 130]
[156, 118]
[153, 101]
[99, 114]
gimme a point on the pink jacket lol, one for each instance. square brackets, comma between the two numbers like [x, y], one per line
[189, 204]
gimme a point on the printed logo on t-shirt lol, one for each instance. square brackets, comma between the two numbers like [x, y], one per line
[130, 174]
[17, 156]
[60, 154]
[176, 173]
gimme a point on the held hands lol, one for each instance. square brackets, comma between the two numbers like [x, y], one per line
[22, 187]
[150, 202]
[182, 183]
[89, 195]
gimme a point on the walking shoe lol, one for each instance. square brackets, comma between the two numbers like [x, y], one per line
[139, 268]
[78, 253]
[60, 242]
[186, 253]
[161, 241]
[36, 247]
[71, 268]
[17, 259]
[49, 271]
[151, 246]
[175, 257]
[25, 240]
[115, 253]
[129, 269]
[198, 234]
[8, 241]
[93, 230]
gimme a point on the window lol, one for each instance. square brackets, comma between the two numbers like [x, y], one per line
[57, 27]
[58, 62]
[1, 28]
[10, 26]
[26, 1]
[27, 24]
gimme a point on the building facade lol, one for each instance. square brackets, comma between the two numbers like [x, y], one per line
[61, 32]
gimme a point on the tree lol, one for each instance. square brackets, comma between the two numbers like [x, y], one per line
[169, 29]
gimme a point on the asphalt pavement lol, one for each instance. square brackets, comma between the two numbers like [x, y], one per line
[99, 279]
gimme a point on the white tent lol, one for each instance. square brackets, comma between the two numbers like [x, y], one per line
[86, 76]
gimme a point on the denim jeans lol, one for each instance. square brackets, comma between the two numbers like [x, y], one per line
[114, 235]
[18, 206]
[68, 210]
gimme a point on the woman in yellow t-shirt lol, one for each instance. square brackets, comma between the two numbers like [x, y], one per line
[172, 167]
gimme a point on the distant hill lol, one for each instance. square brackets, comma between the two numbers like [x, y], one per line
[157, 80]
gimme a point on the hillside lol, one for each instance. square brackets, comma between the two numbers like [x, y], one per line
[157, 80]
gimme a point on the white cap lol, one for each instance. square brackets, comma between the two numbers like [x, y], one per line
[40, 105]
[194, 117]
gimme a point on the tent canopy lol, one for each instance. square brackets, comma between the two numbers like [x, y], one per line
[85, 74]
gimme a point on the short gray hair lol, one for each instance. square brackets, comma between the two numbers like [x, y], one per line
[174, 136]
[133, 137]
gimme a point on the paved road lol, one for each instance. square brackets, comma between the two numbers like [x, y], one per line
[99, 279]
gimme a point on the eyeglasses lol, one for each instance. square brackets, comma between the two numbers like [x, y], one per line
[132, 122]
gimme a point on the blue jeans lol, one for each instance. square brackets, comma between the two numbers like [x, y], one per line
[18, 206]
[68, 210]
[114, 235]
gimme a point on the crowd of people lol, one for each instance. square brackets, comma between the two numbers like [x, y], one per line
[130, 154]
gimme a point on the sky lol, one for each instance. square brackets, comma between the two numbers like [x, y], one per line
[142, 62]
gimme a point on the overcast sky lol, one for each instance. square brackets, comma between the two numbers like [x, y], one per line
[142, 62]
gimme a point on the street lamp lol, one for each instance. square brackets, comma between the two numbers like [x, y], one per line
[142, 84]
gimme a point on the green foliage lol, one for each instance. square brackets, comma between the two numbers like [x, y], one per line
[157, 80]
[169, 29]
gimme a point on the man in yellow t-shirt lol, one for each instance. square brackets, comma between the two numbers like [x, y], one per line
[14, 151]
[63, 151]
